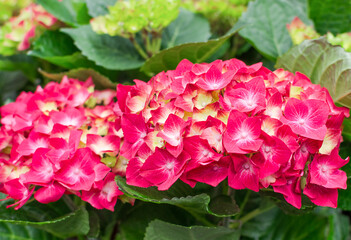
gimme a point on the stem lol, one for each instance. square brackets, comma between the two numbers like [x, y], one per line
[230, 192]
[226, 188]
[148, 45]
[138, 48]
[71, 205]
[156, 42]
[235, 46]
[243, 204]
[250, 215]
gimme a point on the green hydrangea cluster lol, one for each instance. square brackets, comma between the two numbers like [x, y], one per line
[222, 14]
[126, 18]
[342, 39]
[299, 32]
[9, 8]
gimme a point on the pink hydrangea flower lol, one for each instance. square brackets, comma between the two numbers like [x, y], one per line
[208, 122]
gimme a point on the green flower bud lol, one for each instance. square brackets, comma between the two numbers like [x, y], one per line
[9, 8]
[222, 14]
[299, 31]
[126, 18]
[343, 40]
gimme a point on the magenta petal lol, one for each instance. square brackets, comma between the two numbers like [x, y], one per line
[211, 174]
[134, 127]
[173, 130]
[133, 174]
[321, 196]
[242, 135]
[307, 118]
[243, 174]
[288, 190]
[200, 151]
[214, 79]
[78, 172]
[50, 193]
[163, 169]
[324, 172]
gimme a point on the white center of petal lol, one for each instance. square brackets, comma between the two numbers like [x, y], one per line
[169, 166]
[289, 182]
[214, 85]
[267, 149]
[303, 149]
[250, 103]
[143, 135]
[301, 121]
[76, 171]
[324, 168]
[205, 153]
[246, 166]
[244, 135]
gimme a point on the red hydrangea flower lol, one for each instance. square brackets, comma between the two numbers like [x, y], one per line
[203, 122]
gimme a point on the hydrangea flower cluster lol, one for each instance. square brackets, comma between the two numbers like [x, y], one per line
[299, 32]
[198, 123]
[54, 142]
[9, 8]
[126, 18]
[17, 33]
[221, 13]
[211, 121]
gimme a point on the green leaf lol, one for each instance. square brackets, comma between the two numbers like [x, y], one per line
[94, 225]
[114, 53]
[10, 84]
[100, 81]
[134, 220]
[72, 12]
[265, 22]
[58, 48]
[324, 64]
[54, 43]
[99, 7]
[224, 205]
[346, 132]
[187, 28]
[331, 15]
[276, 225]
[55, 218]
[21, 62]
[344, 198]
[181, 195]
[194, 52]
[339, 225]
[158, 230]
[72, 224]
[10, 231]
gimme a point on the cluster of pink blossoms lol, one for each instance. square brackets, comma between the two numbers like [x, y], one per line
[20, 30]
[197, 123]
[55, 141]
[212, 121]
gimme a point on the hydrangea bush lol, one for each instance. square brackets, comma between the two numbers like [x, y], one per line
[132, 120]
[197, 123]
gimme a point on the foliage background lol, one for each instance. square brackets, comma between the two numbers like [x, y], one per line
[260, 34]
